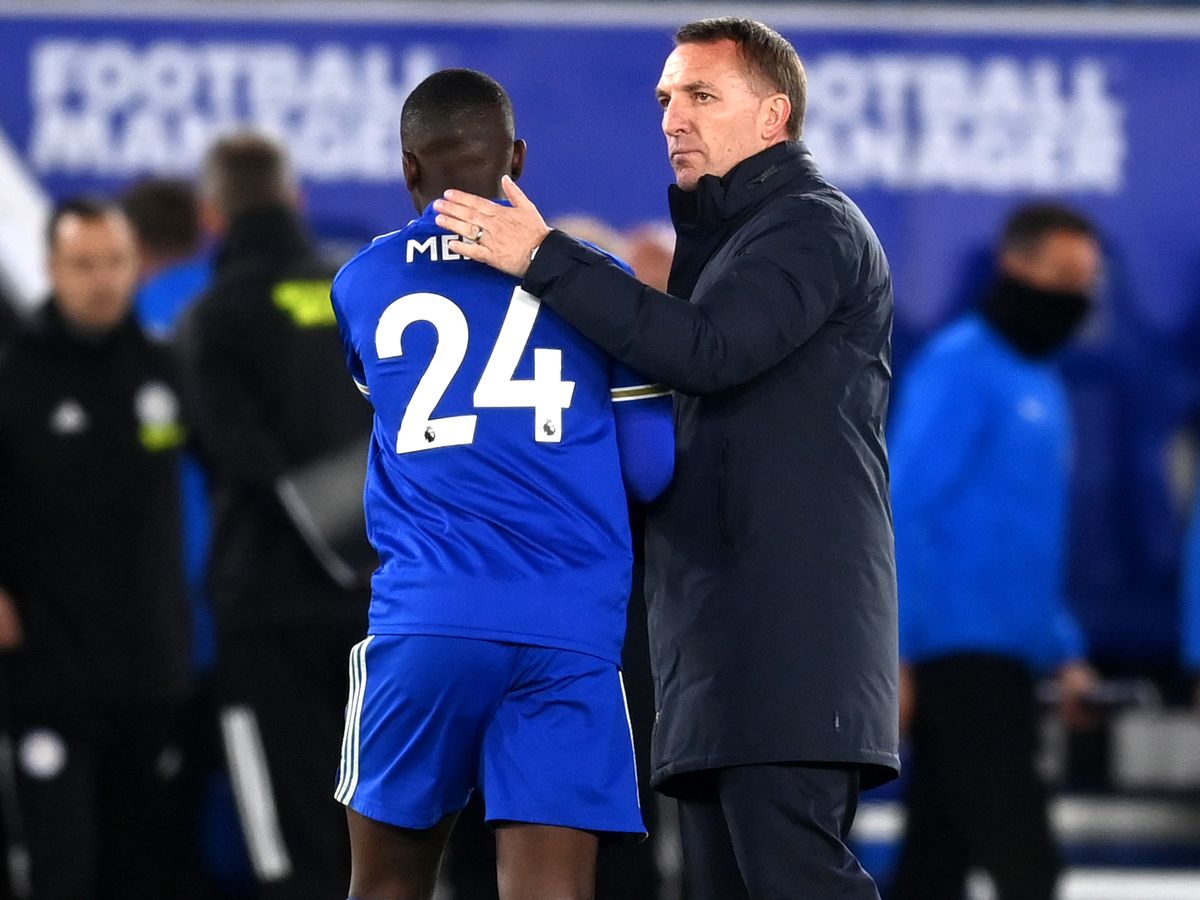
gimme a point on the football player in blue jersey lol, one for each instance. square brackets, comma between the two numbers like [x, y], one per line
[504, 447]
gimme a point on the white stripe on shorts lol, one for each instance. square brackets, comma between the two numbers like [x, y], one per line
[632, 750]
[347, 731]
[352, 732]
[253, 792]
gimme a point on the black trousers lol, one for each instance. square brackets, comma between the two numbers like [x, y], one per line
[104, 804]
[975, 800]
[771, 832]
[283, 697]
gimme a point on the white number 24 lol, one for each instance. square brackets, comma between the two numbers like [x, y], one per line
[546, 393]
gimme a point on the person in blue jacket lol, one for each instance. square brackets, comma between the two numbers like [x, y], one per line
[981, 459]
[176, 267]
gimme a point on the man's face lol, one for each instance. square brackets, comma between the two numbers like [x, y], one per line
[93, 269]
[1063, 261]
[712, 116]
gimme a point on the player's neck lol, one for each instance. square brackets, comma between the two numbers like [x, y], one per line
[423, 196]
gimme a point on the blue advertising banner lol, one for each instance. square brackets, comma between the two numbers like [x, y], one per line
[936, 123]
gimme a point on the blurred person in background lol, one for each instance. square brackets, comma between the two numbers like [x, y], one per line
[93, 609]
[594, 231]
[981, 448]
[265, 383]
[176, 261]
[651, 248]
[176, 267]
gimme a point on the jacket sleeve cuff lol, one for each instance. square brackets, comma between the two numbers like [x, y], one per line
[557, 254]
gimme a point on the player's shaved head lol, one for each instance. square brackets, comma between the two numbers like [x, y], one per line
[458, 131]
[457, 102]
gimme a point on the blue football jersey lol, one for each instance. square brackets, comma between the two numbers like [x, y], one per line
[494, 494]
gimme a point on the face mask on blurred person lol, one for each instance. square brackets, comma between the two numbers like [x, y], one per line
[1035, 321]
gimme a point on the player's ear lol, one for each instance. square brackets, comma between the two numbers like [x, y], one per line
[412, 169]
[520, 148]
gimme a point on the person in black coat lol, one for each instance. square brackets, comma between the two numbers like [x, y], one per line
[94, 634]
[771, 580]
[266, 390]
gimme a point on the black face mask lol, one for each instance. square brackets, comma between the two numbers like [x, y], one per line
[1034, 321]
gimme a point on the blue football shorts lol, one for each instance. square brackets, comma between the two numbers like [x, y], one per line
[543, 733]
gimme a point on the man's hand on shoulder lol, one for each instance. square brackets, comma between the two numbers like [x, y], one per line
[503, 237]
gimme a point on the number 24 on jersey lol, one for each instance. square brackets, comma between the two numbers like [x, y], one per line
[546, 393]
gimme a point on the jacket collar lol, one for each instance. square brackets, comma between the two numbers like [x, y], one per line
[270, 233]
[755, 179]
